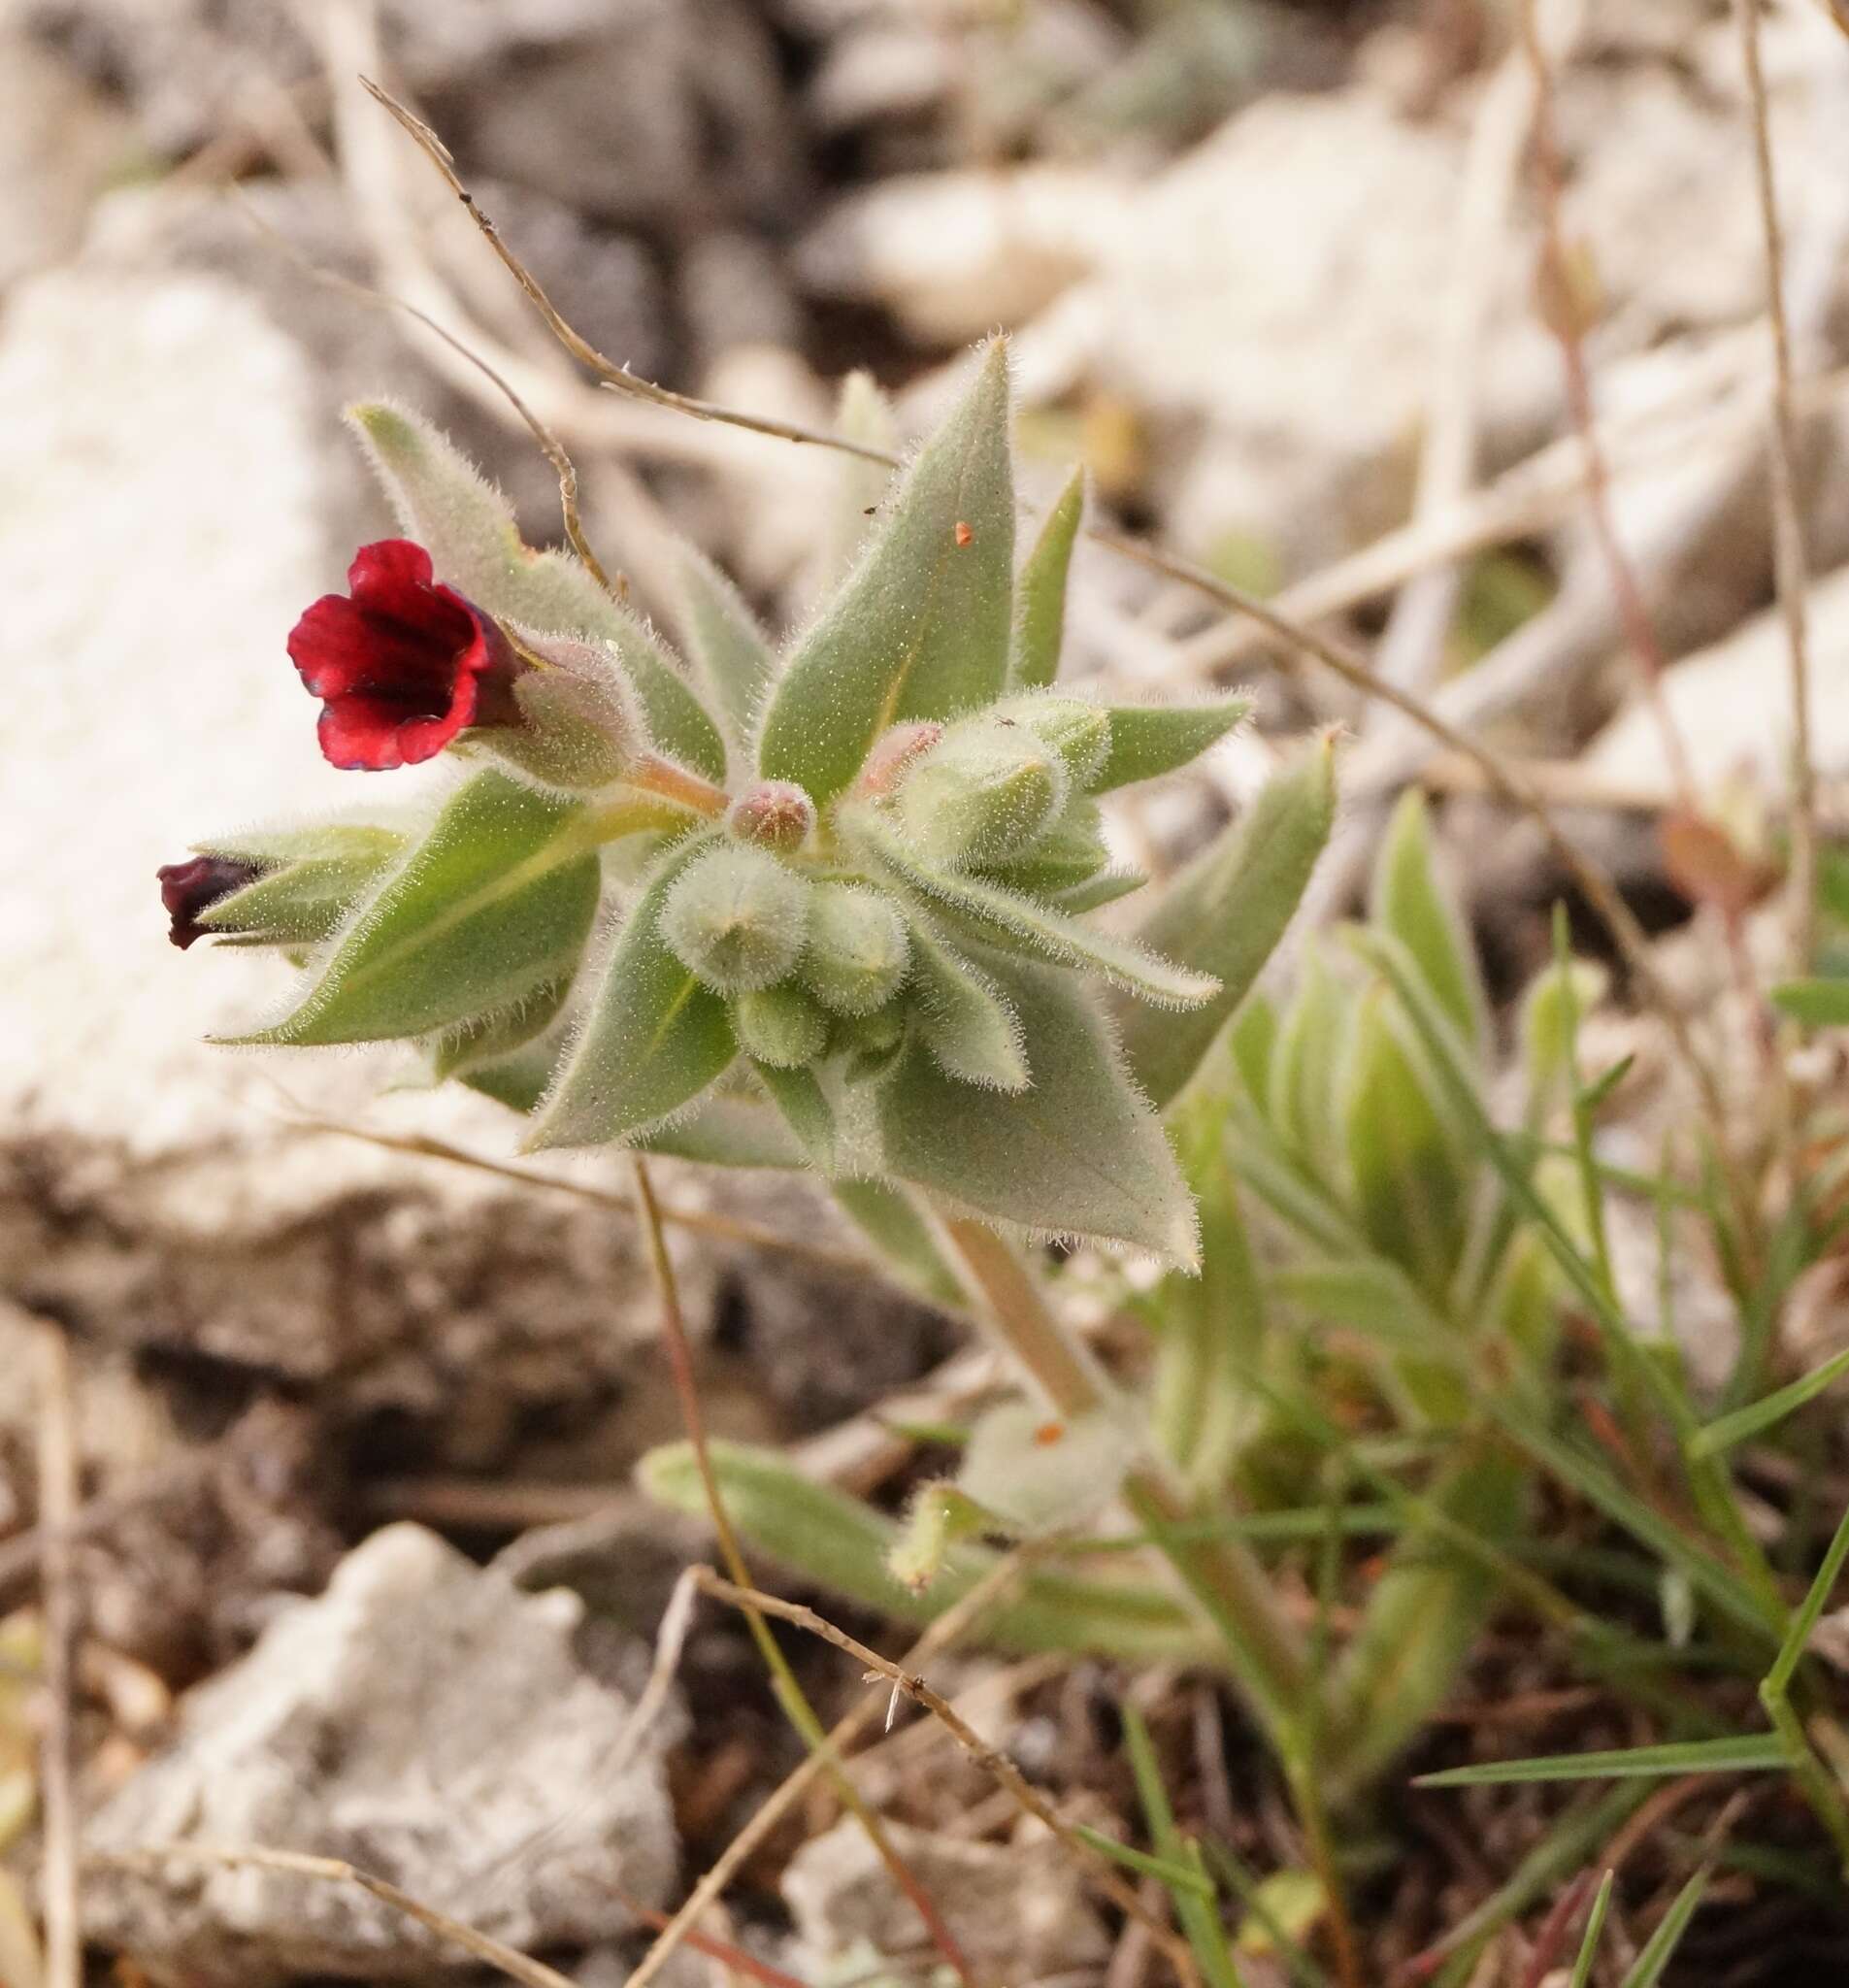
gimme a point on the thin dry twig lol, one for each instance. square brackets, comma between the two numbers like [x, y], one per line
[991, 1760]
[1790, 557]
[796, 1705]
[1411, 649]
[1562, 316]
[722, 1228]
[58, 1508]
[550, 446]
[942, 1634]
[506, 1960]
[619, 378]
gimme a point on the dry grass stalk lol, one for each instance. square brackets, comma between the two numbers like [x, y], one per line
[1792, 561]
[62, 1607]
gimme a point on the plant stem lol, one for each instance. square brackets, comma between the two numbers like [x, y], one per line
[654, 775]
[1223, 1576]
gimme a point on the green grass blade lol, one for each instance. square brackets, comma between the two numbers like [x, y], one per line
[1663, 1941]
[1736, 1753]
[1726, 1431]
[1595, 1925]
[1178, 1877]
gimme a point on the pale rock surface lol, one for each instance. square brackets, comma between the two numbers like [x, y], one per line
[424, 1721]
[1731, 706]
[1017, 1908]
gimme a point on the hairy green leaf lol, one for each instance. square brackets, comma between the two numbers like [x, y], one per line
[964, 1016]
[1077, 1153]
[313, 880]
[727, 1129]
[1410, 902]
[1040, 612]
[920, 628]
[1410, 1188]
[1149, 739]
[495, 902]
[732, 653]
[493, 1038]
[842, 1544]
[1226, 913]
[655, 1039]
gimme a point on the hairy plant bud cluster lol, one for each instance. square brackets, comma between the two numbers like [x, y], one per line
[811, 948]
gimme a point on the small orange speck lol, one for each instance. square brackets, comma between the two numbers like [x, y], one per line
[1049, 1433]
[964, 533]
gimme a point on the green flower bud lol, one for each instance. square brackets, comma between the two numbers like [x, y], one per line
[981, 794]
[736, 917]
[775, 815]
[894, 752]
[858, 948]
[782, 1025]
[872, 1035]
[1078, 731]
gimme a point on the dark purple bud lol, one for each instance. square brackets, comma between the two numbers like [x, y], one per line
[189, 888]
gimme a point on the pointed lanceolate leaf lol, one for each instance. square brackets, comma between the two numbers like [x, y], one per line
[1409, 902]
[920, 628]
[726, 643]
[494, 903]
[964, 1016]
[654, 1038]
[727, 1129]
[1040, 612]
[1225, 913]
[1147, 739]
[1079, 1152]
[468, 528]
[864, 416]
[489, 1041]
[804, 1107]
[1007, 918]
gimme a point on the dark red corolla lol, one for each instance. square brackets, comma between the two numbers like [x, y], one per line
[401, 662]
[186, 889]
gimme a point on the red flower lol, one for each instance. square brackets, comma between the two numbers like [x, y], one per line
[187, 888]
[404, 664]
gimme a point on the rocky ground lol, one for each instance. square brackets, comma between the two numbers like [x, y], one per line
[1273, 269]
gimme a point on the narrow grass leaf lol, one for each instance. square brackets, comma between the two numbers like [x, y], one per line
[1736, 1753]
[1724, 1433]
[1817, 1004]
[1177, 1877]
[1409, 902]
[1661, 1947]
[1594, 1926]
